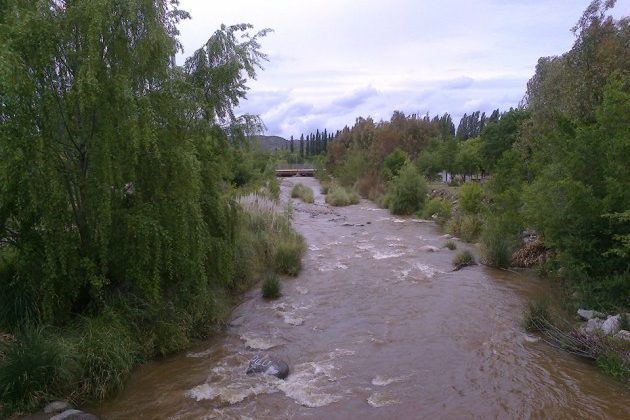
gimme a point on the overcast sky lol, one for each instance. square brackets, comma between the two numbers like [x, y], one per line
[331, 61]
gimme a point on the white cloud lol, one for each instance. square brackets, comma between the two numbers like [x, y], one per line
[334, 60]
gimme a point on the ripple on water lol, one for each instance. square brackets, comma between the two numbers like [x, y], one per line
[310, 384]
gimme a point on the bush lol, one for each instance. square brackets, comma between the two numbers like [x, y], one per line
[439, 207]
[450, 245]
[393, 163]
[407, 192]
[271, 287]
[339, 196]
[470, 198]
[107, 354]
[288, 254]
[537, 317]
[611, 363]
[303, 192]
[467, 227]
[36, 366]
[463, 259]
[274, 188]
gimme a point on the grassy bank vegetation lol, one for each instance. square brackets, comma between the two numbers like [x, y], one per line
[339, 196]
[91, 356]
[610, 353]
[303, 192]
[121, 236]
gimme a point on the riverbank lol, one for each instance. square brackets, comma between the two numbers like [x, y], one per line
[91, 358]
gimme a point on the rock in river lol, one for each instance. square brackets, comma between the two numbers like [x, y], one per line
[269, 365]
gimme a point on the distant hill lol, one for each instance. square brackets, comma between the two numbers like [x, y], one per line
[269, 143]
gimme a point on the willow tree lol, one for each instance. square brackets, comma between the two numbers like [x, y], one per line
[111, 155]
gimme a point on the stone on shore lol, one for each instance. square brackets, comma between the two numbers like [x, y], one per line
[611, 325]
[56, 407]
[587, 314]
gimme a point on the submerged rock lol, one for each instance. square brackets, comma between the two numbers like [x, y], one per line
[269, 365]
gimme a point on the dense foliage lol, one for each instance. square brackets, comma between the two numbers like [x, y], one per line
[120, 234]
[559, 165]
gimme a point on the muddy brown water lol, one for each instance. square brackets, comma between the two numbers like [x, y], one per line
[376, 327]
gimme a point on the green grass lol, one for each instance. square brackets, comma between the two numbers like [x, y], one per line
[496, 251]
[34, 368]
[271, 287]
[438, 207]
[536, 317]
[466, 227]
[450, 245]
[303, 192]
[339, 196]
[463, 259]
[288, 254]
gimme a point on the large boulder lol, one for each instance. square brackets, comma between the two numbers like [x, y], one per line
[269, 365]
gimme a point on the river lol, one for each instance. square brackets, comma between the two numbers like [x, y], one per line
[376, 327]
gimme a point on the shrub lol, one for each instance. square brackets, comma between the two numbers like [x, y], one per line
[439, 207]
[271, 287]
[288, 254]
[450, 245]
[274, 188]
[393, 163]
[612, 363]
[107, 353]
[324, 188]
[34, 367]
[499, 239]
[463, 259]
[467, 227]
[368, 185]
[407, 192]
[339, 196]
[470, 198]
[303, 192]
[536, 317]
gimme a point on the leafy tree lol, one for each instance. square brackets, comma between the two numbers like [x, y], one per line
[393, 164]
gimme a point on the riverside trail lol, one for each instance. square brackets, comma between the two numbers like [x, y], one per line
[375, 327]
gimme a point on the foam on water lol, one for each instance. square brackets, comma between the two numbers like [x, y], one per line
[200, 354]
[314, 248]
[427, 270]
[289, 313]
[381, 399]
[384, 255]
[310, 384]
[259, 343]
[379, 380]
